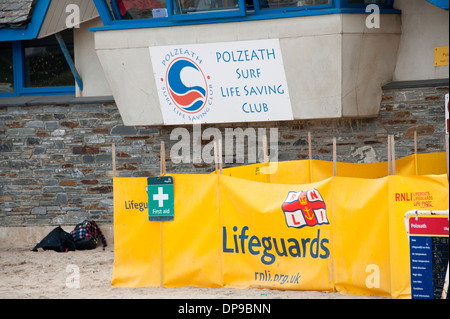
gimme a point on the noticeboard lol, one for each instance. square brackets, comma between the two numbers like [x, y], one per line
[428, 243]
[441, 56]
[160, 198]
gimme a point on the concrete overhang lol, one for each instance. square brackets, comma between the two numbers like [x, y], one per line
[335, 65]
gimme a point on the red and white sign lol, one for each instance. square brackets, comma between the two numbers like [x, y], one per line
[305, 209]
[428, 226]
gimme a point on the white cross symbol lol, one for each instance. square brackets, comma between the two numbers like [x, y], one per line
[160, 197]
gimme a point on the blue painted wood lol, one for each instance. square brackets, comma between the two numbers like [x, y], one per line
[69, 60]
[443, 4]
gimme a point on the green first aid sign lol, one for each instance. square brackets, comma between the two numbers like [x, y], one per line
[160, 198]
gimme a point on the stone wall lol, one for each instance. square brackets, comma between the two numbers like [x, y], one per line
[56, 162]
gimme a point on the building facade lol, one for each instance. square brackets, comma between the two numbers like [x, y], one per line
[77, 77]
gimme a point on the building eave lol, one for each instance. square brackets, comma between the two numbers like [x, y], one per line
[33, 27]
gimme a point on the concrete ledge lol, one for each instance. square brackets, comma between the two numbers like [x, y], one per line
[416, 84]
[52, 100]
[28, 236]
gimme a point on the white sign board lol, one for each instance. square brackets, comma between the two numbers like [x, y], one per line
[447, 124]
[221, 82]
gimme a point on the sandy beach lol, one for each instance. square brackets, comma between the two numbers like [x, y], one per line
[48, 274]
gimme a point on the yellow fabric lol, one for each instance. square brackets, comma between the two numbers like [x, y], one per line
[424, 193]
[238, 233]
[258, 207]
[307, 171]
[136, 241]
[361, 235]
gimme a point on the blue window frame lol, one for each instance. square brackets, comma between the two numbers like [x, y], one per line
[36, 67]
[283, 6]
[129, 14]
[185, 10]
[383, 4]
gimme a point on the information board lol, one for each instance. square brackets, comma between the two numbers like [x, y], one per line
[441, 56]
[160, 198]
[428, 243]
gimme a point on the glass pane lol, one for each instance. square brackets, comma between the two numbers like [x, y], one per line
[45, 64]
[380, 2]
[190, 6]
[273, 4]
[6, 68]
[137, 9]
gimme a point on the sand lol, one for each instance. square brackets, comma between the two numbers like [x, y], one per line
[48, 274]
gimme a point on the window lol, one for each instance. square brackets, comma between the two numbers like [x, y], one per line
[137, 9]
[45, 64]
[277, 4]
[196, 9]
[174, 10]
[155, 13]
[364, 3]
[6, 68]
[36, 67]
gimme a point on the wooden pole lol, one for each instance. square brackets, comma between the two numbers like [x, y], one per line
[309, 145]
[114, 159]
[310, 158]
[215, 156]
[446, 148]
[393, 154]
[266, 153]
[334, 156]
[389, 154]
[220, 156]
[161, 253]
[163, 159]
[415, 153]
[161, 226]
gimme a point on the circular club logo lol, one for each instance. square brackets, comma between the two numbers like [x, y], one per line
[187, 85]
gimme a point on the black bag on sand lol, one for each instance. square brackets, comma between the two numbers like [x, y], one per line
[57, 240]
[85, 243]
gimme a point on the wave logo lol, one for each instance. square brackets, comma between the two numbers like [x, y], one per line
[187, 85]
[305, 209]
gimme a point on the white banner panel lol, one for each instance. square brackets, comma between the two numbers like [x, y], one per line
[221, 82]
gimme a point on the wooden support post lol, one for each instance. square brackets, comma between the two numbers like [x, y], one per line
[161, 254]
[310, 158]
[309, 145]
[114, 159]
[448, 155]
[163, 159]
[220, 156]
[266, 153]
[389, 154]
[393, 154]
[415, 153]
[334, 156]
[215, 156]
[161, 224]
